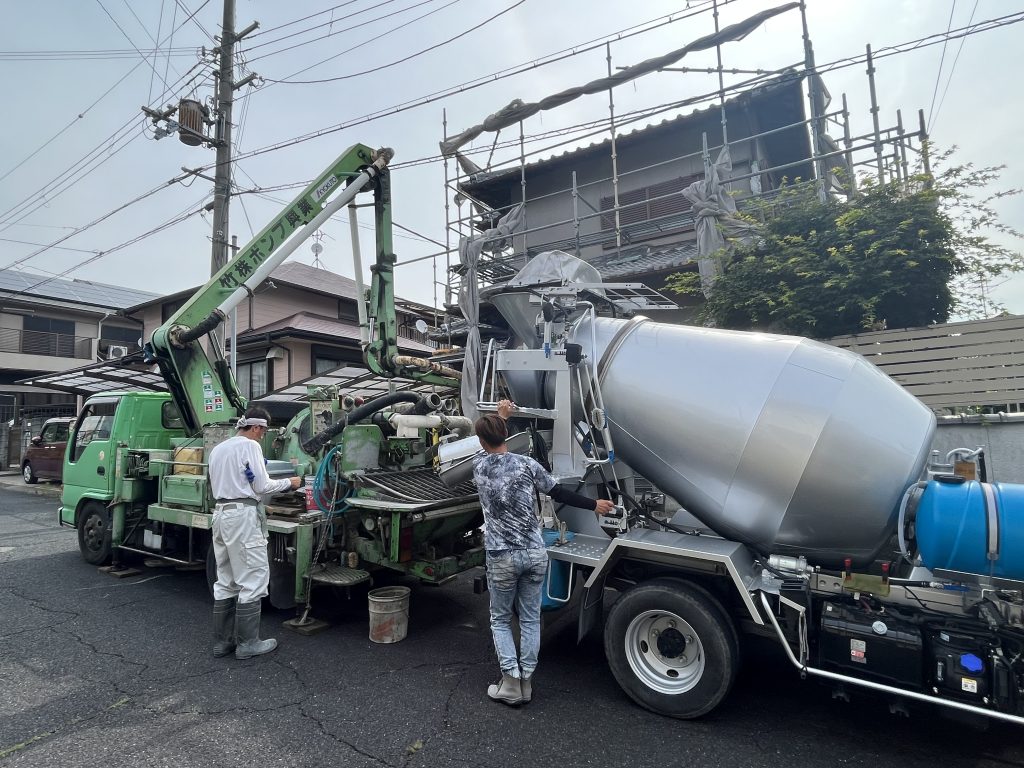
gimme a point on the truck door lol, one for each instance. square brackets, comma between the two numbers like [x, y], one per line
[55, 435]
[89, 469]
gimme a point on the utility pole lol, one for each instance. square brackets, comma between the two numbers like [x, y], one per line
[225, 97]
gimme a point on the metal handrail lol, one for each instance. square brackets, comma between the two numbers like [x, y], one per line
[44, 343]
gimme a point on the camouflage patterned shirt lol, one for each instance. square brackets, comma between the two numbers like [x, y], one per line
[507, 484]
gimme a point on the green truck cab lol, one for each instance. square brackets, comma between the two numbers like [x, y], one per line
[113, 450]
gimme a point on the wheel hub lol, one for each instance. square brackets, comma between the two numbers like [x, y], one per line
[665, 652]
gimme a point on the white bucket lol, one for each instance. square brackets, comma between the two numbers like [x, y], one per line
[389, 614]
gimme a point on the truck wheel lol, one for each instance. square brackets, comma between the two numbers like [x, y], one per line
[672, 648]
[94, 533]
[28, 474]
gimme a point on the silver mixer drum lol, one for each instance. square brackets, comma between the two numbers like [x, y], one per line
[782, 443]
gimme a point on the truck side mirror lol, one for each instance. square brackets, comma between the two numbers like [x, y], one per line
[37, 440]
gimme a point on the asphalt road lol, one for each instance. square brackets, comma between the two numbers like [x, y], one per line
[97, 671]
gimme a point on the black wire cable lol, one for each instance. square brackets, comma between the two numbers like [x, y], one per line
[411, 56]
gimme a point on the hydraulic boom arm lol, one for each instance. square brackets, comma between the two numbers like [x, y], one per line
[205, 391]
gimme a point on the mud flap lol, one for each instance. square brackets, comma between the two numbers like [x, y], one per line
[591, 609]
[282, 585]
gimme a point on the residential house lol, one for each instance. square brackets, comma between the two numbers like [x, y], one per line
[54, 324]
[300, 322]
[653, 233]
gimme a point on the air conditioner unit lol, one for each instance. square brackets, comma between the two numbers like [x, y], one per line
[116, 351]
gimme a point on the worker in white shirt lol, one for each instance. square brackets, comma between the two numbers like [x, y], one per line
[238, 480]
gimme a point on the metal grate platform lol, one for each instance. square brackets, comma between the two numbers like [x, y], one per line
[417, 485]
[339, 575]
[584, 550]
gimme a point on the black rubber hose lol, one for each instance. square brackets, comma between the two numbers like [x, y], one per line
[203, 327]
[320, 439]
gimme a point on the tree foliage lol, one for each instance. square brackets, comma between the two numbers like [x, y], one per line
[895, 255]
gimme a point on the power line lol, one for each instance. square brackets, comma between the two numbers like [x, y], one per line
[304, 18]
[106, 54]
[333, 32]
[193, 19]
[121, 246]
[126, 37]
[102, 152]
[942, 59]
[410, 56]
[96, 221]
[952, 69]
[373, 39]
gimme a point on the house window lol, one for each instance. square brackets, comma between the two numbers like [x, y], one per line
[253, 378]
[48, 336]
[128, 337]
[650, 212]
[327, 358]
[167, 309]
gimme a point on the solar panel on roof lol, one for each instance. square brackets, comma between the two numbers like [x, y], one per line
[81, 291]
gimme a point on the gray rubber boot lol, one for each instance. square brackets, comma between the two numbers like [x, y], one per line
[526, 684]
[223, 626]
[247, 627]
[508, 691]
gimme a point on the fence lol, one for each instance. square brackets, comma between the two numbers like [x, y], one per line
[974, 366]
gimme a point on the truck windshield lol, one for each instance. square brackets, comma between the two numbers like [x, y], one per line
[94, 423]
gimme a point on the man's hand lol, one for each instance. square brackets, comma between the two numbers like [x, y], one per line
[505, 408]
[604, 506]
[296, 482]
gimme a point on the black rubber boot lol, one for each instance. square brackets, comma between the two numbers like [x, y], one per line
[247, 627]
[223, 626]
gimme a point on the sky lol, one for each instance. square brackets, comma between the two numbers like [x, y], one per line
[63, 106]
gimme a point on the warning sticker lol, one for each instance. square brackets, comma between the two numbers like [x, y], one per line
[858, 651]
[969, 685]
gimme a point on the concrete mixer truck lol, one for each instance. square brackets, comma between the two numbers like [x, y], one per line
[807, 506]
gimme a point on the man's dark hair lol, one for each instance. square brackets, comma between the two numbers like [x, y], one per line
[491, 430]
[256, 412]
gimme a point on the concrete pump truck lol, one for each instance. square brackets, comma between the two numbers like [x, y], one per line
[135, 473]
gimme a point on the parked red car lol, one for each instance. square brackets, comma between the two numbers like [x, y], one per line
[44, 457]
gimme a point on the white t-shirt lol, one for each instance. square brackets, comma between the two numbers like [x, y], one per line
[227, 471]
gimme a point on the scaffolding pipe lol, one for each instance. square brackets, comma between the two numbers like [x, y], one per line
[874, 116]
[615, 156]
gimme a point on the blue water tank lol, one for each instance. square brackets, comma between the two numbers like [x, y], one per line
[952, 528]
[557, 582]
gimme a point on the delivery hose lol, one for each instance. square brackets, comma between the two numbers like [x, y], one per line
[321, 438]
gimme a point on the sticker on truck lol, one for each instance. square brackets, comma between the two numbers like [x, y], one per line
[858, 651]
[325, 186]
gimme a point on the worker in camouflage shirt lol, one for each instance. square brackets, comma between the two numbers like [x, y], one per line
[517, 561]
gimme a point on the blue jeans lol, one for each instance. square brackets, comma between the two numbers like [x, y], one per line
[516, 576]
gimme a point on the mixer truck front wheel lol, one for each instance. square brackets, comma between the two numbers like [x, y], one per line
[672, 648]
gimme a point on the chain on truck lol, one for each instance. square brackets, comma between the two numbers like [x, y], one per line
[766, 485]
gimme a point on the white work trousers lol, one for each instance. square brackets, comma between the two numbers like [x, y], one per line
[243, 568]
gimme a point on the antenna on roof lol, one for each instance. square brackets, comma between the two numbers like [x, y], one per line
[317, 249]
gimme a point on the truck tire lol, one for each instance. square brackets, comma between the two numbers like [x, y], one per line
[28, 474]
[94, 533]
[672, 648]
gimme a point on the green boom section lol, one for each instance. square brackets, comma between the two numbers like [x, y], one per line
[204, 389]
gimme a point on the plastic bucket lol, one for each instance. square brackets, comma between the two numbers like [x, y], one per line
[389, 614]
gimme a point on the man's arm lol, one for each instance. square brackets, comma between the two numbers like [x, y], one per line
[261, 482]
[565, 496]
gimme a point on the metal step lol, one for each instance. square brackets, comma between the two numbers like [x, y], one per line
[339, 575]
[583, 550]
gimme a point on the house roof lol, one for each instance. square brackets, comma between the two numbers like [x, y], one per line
[645, 259]
[782, 91]
[87, 292]
[308, 324]
[298, 275]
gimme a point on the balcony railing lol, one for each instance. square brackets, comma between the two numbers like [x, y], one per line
[46, 344]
